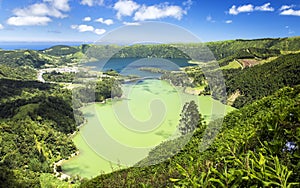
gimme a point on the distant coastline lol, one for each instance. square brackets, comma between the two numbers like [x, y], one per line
[34, 45]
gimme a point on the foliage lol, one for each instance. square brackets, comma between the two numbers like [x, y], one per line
[256, 146]
[107, 88]
[111, 72]
[263, 80]
[104, 88]
[250, 150]
[196, 74]
[151, 51]
[61, 50]
[176, 79]
[50, 181]
[225, 49]
[190, 118]
[35, 119]
[24, 58]
[59, 77]
[19, 73]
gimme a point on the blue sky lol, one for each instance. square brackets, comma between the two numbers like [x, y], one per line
[89, 20]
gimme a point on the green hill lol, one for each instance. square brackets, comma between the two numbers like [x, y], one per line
[35, 119]
[262, 80]
[24, 58]
[61, 50]
[258, 145]
[224, 49]
[20, 73]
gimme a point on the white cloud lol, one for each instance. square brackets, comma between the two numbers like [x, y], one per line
[39, 13]
[1, 26]
[107, 22]
[131, 23]
[99, 31]
[290, 12]
[245, 8]
[74, 26]
[145, 12]
[210, 19]
[285, 7]
[234, 10]
[60, 4]
[187, 4]
[158, 11]
[228, 21]
[87, 19]
[28, 20]
[91, 3]
[86, 28]
[125, 8]
[87, 2]
[265, 7]
[38, 9]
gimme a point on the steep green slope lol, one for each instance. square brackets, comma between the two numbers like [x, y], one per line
[224, 49]
[262, 80]
[258, 48]
[20, 73]
[24, 58]
[258, 145]
[35, 119]
[54, 56]
[61, 50]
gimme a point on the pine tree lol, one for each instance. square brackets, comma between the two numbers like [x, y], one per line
[190, 118]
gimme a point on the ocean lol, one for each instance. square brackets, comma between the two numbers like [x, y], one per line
[34, 45]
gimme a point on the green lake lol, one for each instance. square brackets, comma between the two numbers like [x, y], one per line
[121, 132]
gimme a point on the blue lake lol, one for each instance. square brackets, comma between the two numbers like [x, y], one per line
[130, 66]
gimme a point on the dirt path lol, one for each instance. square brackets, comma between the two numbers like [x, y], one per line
[62, 175]
[232, 97]
[40, 75]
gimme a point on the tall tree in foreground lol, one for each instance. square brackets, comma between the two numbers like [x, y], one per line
[191, 119]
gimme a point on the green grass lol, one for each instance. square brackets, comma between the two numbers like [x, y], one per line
[125, 145]
[232, 65]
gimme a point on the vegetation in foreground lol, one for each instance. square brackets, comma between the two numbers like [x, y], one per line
[35, 121]
[258, 145]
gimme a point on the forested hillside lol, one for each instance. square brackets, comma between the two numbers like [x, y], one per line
[223, 51]
[262, 80]
[20, 73]
[257, 145]
[35, 119]
[24, 58]
[61, 50]
[259, 48]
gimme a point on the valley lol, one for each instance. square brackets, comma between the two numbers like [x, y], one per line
[121, 113]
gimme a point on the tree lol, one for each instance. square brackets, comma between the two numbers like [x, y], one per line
[107, 88]
[191, 119]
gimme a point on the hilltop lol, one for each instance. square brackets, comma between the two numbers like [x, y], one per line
[223, 51]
